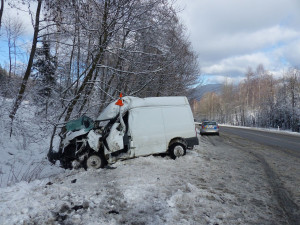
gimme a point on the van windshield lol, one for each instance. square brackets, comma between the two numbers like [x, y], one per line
[83, 122]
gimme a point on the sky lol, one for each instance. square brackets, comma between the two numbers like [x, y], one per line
[24, 41]
[231, 35]
[227, 35]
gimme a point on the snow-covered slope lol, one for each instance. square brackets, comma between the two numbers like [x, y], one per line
[210, 185]
[23, 154]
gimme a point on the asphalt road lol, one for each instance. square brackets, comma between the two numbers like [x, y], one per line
[279, 156]
[285, 142]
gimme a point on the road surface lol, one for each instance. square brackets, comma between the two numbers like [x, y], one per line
[285, 142]
[279, 157]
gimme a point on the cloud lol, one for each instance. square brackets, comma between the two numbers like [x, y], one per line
[291, 53]
[231, 35]
[245, 43]
[219, 79]
[21, 14]
[236, 65]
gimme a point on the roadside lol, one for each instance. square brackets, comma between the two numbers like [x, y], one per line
[213, 184]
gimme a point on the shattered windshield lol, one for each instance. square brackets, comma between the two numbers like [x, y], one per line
[83, 122]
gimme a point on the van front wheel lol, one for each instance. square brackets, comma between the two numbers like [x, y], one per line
[95, 161]
[177, 150]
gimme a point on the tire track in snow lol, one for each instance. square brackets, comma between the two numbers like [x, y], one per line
[208, 140]
[289, 207]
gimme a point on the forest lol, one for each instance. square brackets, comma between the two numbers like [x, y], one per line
[260, 100]
[84, 53]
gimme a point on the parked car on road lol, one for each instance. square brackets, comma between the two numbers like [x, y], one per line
[209, 127]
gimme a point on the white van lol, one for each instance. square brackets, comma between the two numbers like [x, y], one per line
[142, 126]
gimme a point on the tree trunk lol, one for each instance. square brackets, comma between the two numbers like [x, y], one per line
[98, 59]
[1, 11]
[30, 61]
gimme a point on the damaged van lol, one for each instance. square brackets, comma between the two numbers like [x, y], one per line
[128, 128]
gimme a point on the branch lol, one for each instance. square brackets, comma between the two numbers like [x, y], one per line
[146, 84]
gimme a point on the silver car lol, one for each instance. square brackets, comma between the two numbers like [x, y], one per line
[209, 127]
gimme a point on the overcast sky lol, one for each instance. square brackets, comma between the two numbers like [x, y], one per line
[231, 35]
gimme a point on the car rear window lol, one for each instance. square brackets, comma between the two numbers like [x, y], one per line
[209, 123]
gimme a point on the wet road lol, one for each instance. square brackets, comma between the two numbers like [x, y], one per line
[285, 142]
[278, 155]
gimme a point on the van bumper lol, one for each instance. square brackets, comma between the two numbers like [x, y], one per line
[192, 141]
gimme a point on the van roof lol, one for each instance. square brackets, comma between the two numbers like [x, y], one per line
[112, 110]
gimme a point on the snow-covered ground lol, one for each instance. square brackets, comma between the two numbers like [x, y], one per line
[23, 155]
[210, 185]
[213, 184]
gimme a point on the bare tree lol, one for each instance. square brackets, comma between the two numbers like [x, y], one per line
[14, 29]
[103, 47]
[293, 78]
[1, 11]
[20, 95]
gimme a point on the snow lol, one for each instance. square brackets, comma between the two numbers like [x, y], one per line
[212, 184]
[136, 190]
[23, 155]
[71, 135]
[203, 187]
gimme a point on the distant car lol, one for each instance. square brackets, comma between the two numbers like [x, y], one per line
[209, 127]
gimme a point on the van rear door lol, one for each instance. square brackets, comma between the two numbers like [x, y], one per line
[146, 127]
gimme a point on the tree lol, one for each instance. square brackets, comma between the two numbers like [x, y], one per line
[45, 66]
[14, 29]
[1, 11]
[3, 80]
[293, 83]
[93, 49]
[29, 65]
[259, 100]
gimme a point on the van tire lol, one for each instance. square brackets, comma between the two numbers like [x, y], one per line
[177, 150]
[95, 161]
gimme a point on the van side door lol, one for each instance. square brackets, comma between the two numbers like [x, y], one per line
[146, 127]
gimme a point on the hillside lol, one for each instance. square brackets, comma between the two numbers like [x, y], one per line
[198, 92]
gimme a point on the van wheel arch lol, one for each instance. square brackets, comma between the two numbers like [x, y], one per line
[177, 148]
[178, 140]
